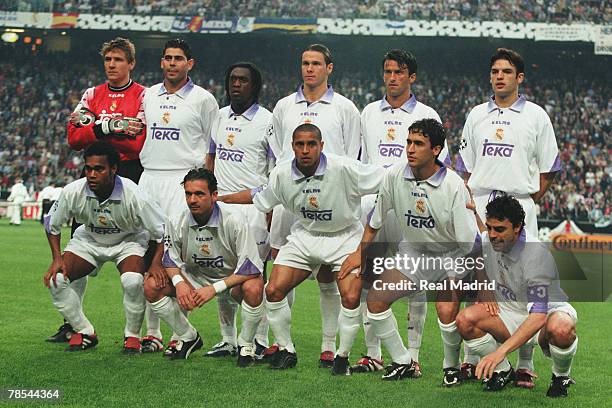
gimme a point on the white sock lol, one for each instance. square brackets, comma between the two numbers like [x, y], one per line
[562, 358]
[485, 345]
[291, 297]
[69, 305]
[170, 312]
[79, 287]
[525, 357]
[451, 340]
[133, 302]
[185, 313]
[261, 334]
[228, 309]
[349, 323]
[371, 341]
[279, 317]
[384, 326]
[251, 316]
[417, 313]
[153, 323]
[330, 311]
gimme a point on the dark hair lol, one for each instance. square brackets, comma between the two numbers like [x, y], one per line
[432, 129]
[122, 44]
[310, 128]
[506, 207]
[511, 56]
[403, 59]
[100, 148]
[323, 50]
[202, 174]
[256, 79]
[178, 43]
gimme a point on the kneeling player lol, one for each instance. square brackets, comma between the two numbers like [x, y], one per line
[429, 203]
[118, 219]
[530, 301]
[209, 250]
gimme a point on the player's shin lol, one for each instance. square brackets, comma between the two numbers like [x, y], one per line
[79, 286]
[279, 317]
[153, 323]
[385, 327]
[228, 309]
[251, 316]
[133, 302]
[371, 341]
[169, 311]
[330, 312]
[525, 357]
[349, 323]
[485, 345]
[451, 340]
[562, 358]
[69, 305]
[416, 323]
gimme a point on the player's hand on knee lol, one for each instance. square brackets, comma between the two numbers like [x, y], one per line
[184, 296]
[487, 299]
[204, 294]
[487, 364]
[57, 266]
[351, 263]
[158, 273]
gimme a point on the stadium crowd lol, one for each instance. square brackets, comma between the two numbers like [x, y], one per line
[38, 94]
[556, 11]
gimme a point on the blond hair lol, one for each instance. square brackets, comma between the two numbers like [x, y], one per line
[122, 44]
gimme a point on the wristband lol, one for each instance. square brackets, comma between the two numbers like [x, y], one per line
[219, 286]
[176, 279]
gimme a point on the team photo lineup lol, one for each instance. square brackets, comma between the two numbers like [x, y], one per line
[193, 202]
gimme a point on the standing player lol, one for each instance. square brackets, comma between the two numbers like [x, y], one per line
[210, 250]
[19, 193]
[532, 305]
[117, 221]
[242, 158]
[384, 125]
[316, 102]
[324, 192]
[111, 112]
[508, 146]
[180, 115]
[429, 203]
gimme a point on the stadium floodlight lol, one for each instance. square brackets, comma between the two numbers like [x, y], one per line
[10, 37]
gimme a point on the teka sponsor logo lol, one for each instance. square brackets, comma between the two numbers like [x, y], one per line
[163, 133]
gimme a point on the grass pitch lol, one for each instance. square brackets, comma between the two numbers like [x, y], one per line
[103, 377]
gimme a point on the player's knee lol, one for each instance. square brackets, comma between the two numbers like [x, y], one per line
[350, 300]
[274, 293]
[560, 330]
[465, 322]
[252, 291]
[375, 306]
[447, 311]
[151, 292]
[60, 284]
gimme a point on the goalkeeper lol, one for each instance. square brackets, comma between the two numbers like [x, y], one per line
[111, 112]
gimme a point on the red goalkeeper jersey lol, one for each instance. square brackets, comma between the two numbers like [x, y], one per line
[106, 102]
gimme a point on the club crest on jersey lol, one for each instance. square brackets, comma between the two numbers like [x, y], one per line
[205, 262]
[420, 206]
[166, 117]
[497, 149]
[113, 106]
[499, 134]
[102, 220]
[391, 134]
[417, 221]
[312, 200]
[163, 133]
[205, 249]
[230, 139]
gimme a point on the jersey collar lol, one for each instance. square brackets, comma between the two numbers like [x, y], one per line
[120, 88]
[115, 195]
[514, 253]
[407, 107]
[326, 98]
[517, 106]
[213, 221]
[182, 93]
[435, 180]
[248, 114]
[297, 175]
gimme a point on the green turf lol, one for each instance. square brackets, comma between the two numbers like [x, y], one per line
[103, 377]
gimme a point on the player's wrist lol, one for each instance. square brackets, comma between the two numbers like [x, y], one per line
[219, 286]
[177, 279]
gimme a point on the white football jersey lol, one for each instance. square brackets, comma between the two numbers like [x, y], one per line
[431, 213]
[526, 278]
[336, 116]
[128, 211]
[214, 251]
[327, 202]
[241, 144]
[384, 131]
[506, 149]
[178, 127]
